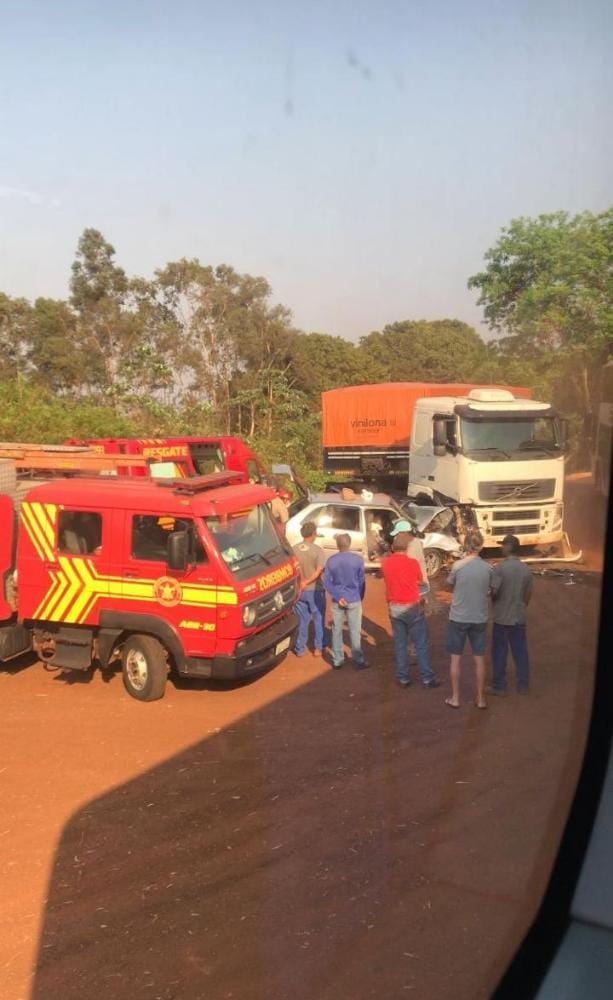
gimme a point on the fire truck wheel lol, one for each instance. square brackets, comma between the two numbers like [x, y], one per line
[145, 667]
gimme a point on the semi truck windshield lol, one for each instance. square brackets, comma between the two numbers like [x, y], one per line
[247, 540]
[507, 438]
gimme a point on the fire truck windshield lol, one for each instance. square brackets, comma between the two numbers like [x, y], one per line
[246, 539]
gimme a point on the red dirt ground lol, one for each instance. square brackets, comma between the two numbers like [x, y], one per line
[312, 835]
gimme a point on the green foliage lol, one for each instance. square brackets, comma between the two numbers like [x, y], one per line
[549, 280]
[32, 414]
[444, 350]
[547, 291]
[203, 350]
[323, 362]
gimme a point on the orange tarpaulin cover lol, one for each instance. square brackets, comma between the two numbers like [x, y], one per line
[381, 415]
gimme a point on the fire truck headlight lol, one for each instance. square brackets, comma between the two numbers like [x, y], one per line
[558, 514]
[249, 615]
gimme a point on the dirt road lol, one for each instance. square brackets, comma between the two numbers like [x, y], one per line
[314, 834]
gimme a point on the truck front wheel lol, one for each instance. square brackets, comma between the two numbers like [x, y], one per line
[145, 667]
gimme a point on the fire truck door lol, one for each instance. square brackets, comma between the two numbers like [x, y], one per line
[187, 600]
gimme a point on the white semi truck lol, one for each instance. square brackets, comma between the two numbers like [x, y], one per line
[491, 453]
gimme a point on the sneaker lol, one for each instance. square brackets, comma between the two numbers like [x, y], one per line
[434, 683]
[296, 653]
[337, 666]
[361, 666]
[403, 684]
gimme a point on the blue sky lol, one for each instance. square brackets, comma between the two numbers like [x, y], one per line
[360, 155]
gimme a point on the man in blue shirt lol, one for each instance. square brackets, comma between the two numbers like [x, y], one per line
[345, 582]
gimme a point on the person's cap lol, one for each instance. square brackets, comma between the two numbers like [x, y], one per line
[401, 526]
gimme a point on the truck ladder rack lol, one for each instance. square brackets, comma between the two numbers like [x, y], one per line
[65, 458]
[199, 484]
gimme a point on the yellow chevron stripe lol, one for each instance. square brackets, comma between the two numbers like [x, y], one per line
[76, 586]
[39, 521]
[55, 596]
[60, 612]
[48, 596]
[88, 607]
[85, 594]
[45, 515]
[32, 530]
[40, 527]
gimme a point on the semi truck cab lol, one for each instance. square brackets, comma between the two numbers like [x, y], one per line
[499, 456]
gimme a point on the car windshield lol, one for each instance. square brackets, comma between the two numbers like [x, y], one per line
[505, 438]
[247, 540]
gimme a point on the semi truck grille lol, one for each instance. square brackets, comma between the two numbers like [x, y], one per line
[524, 489]
[515, 515]
[276, 602]
[515, 529]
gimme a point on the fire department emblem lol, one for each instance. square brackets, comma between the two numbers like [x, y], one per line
[167, 591]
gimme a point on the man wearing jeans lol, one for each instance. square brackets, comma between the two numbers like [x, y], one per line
[402, 576]
[312, 601]
[345, 582]
[511, 591]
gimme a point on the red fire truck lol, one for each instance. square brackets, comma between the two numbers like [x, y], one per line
[189, 575]
[175, 457]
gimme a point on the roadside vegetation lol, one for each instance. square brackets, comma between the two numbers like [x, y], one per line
[203, 349]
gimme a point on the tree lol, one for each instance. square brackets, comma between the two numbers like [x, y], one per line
[15, 334]
[231, 345]
[446, 350]
[323, 362]
[55, 352]
[98, 291]
[121, 328]
[547, 288]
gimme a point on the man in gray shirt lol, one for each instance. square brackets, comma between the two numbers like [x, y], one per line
[470, 579]
[511, 591]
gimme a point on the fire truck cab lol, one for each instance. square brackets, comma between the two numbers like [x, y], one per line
[189, 575]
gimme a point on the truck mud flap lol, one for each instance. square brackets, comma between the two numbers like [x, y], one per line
[73, 649]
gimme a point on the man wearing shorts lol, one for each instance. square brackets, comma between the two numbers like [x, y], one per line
[470, 579]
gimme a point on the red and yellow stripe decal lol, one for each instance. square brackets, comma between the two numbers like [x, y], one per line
[76, 585]
[39, 521]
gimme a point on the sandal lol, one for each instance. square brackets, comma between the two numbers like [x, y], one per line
[449, 702]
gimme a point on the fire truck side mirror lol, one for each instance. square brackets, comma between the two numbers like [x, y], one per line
[177, 551]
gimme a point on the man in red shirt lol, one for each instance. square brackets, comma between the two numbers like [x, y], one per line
[402, 577]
